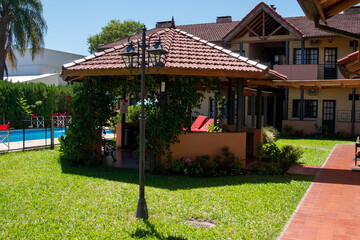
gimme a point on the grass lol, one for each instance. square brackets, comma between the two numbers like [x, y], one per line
[316, 151]
[42, 198]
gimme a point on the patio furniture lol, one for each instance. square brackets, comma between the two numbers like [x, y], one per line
[36, 121]
[5, 137]
[55, 116]
[61, 119]
[199, 121]
[206, 126]
[357, 154]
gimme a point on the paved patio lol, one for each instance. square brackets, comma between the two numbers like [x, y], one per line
[331, 207]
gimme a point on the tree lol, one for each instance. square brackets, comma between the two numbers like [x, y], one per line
[21, 26]
[112, 32]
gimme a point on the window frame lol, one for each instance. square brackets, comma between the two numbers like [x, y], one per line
[308, 56]
[310, 111]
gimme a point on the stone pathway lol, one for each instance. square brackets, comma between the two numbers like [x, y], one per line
[331, 207]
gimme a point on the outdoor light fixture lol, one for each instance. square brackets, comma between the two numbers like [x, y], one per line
[128, 54]
[162, 88]
[155, 52]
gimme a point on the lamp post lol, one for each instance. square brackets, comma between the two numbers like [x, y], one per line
[128, 54]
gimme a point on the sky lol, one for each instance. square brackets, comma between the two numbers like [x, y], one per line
[71, 22]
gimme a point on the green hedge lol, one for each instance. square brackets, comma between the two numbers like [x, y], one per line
[19, 100]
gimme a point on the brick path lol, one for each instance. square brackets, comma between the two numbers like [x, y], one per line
[331, 207]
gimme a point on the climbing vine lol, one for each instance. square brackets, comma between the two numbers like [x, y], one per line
[167, 114]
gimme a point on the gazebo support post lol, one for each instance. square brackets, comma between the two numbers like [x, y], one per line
[215, 110]
[259, 108]
[230, 113]
[265, 109]
[240, 109]
[275, 111]
[286, 104]
[141, 211]
[353, 110]
[253, 106]
[301, 104]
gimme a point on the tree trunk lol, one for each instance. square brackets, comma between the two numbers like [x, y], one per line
[3, 38]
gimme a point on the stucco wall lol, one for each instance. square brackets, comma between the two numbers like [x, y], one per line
[193, 145]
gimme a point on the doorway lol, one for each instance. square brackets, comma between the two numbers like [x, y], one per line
[329, 115]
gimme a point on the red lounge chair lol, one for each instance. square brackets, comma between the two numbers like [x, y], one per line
[206, 126]
[198, 123]
[5, 137]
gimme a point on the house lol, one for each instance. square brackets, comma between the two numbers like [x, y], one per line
[45, 68]
[312, 99]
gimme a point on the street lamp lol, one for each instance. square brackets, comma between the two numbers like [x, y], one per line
[128, 54]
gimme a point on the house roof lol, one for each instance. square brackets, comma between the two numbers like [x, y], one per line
[325, 9]
[212, 32]
[350, 65]
[187, 55]
[349, 22]
[262, 7]
[300, 26]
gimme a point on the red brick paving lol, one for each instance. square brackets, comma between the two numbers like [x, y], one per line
[331, 208]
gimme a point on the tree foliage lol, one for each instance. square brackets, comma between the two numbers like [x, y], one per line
[112, 32]
[22, 26]
[19, 100]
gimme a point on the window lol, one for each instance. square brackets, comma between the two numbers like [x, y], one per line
[310, 111]
[311, 56]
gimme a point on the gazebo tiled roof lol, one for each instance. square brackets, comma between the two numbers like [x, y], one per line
[187, 55]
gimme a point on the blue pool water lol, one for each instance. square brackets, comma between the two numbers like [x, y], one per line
[35, 134]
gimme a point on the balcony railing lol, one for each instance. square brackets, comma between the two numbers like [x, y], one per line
[308, 72]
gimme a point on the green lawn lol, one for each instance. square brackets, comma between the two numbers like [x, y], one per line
[316, 151]
[41, 198]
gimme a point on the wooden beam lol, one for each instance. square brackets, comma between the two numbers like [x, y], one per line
[320, 11]
[339, 7]
[254, 32]
[273, 32]
[263, 25]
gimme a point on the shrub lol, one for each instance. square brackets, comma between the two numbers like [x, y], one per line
[270, 134]
[205, 166]
[286, 131]
[277, 160]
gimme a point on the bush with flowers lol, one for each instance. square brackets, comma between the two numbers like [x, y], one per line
[205, 166]
[275, 160]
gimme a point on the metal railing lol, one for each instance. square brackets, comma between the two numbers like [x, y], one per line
[27, 134]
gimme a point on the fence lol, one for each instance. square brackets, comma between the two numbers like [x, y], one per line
[34, 133]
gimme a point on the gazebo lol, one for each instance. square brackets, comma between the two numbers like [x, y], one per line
[189, 55]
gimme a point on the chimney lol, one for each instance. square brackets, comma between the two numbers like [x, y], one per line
[166, 24]
[354, 9]
[224, 19]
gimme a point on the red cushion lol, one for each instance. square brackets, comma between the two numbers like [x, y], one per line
[55, 114]
[4, 127]
[198, 123]
[33, 115]
[206, 126]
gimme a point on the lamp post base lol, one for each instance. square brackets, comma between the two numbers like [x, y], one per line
[141, 211]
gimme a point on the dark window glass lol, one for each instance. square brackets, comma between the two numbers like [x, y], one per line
[311, 56]
[310, 108]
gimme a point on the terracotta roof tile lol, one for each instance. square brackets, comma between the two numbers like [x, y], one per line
[184, 51]
[347, 22]
[348, 58]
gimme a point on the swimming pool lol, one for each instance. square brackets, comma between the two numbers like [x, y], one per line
[36, 134]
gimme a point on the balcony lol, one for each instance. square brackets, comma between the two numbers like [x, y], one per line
[305, 72]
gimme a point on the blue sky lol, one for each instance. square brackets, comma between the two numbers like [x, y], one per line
[71, 22]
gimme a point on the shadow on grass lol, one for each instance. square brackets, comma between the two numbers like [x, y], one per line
[131, 176]
[151, 232]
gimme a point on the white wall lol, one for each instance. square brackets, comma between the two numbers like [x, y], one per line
[47, 61]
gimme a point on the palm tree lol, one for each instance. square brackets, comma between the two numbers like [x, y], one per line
[22, 26]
